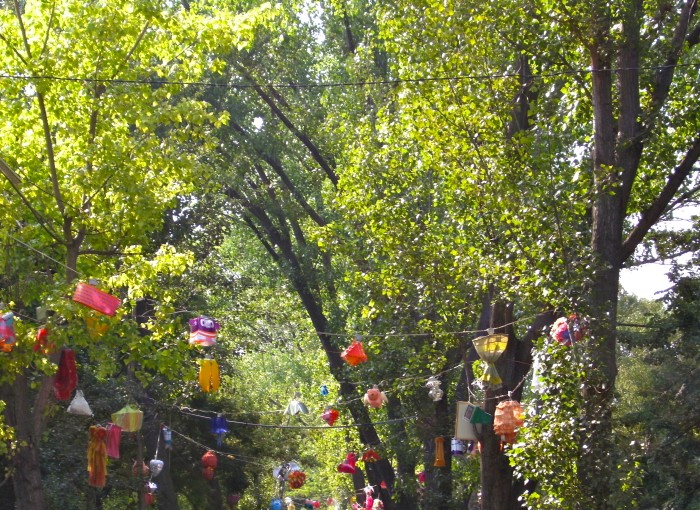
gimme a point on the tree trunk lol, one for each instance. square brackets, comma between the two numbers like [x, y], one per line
[26, 472]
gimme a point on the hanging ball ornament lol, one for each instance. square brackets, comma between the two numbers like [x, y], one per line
[435, 392]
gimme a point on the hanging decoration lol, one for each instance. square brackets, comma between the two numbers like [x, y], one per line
[142, 471]
[114, 437]
[507, 420]
[94, 298]
[167, 437]
[97, 456]
[150, 488]
[219, 427]
[41, 344]
[369, 499]
[276, 504]
[374, 397]
[281, 473]
[457, 447]
[203, 331]
[8, 336]
[348, 465]
[296, 406]
[95, 327]
[378, 505]
[330, 415]
[435, 392]
[490, 348]
[439, 452]
[324, 390]
[149, 499]
[209, 464]
[296, 479]
[370, 456]
[129, 418]
[569, 330]
[155, 466]
[354, 354]
[475, 414]
[79, 405]
[232, 500]
[290, 504]
[66, 378]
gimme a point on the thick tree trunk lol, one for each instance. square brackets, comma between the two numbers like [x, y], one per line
[26, 472]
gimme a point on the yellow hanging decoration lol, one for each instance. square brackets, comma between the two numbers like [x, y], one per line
[209, 375]
[490, 348]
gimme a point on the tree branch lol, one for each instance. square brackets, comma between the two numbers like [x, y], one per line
[652, 214]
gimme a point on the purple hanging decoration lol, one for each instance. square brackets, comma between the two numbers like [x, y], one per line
[219, 427]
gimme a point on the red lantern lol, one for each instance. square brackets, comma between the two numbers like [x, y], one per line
[348, 465]
[209, 460]
[208, 473]
[370, 456]
[296, 479]
[149, 499]
[508, 418]
[354, 354]
[330, 415]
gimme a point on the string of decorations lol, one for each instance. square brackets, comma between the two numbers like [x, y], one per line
[363, 83]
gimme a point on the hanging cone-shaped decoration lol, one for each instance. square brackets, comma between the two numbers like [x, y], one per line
[439, 452]
[296, 406]
[370, 456]
[348, 465]
[209, 375]
[129, 418]
[97, 457]
[66, 378]
[508, 418]
[79, 405]
[354, 354]
[490, 348]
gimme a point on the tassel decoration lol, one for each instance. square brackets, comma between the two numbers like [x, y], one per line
[66, 378]
[97, 457]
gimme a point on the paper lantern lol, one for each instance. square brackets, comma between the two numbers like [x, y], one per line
[568, 330]
[42, 344]
[150, 488]
[374, 397]
[219, 427]
[114, 437]
[129, 418]
[156, 467]
[7, 332]
[66, 378]
[232, 500]
[439, 452]
[97, 456]
[490, 348]
[167, 437]
[149, 499]
[507, 420]
[209, 375]
[276, 504]
[348, 465]
[435, 392]
[203, 331]
[94, 298]
[370, 456]
[354, 354]
[324, 390]
[296, 479]
[421, 477]
[79, 405]
[378, 505]
[296, 406]
[281, 473]
[457, 447]
[209, 460]
[208, 473]
[330, 415]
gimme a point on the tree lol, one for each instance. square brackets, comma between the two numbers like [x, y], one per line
[94, 148]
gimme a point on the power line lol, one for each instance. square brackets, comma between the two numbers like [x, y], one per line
[346, 84]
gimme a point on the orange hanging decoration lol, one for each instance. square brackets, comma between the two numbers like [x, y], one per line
[354, 354]
[97, 457]
[296, 479]
[439, 452]
[508, 418]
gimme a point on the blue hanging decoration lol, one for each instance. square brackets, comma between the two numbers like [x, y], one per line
[276, 504]
[167, 437]
[219, 427]
[324, 390]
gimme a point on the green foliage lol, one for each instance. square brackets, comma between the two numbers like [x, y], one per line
[545, 456]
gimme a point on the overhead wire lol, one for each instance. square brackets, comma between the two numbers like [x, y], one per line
[345, 84]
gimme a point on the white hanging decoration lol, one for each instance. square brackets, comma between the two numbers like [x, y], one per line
[79, 405]
[435, 392]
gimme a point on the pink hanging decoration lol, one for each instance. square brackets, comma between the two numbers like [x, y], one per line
[94, 298]
[348, 465]
[66, 378]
